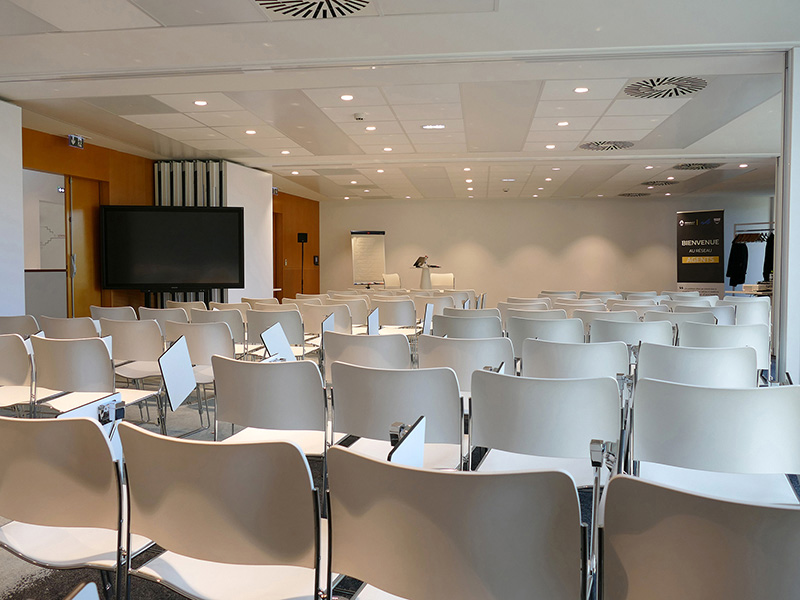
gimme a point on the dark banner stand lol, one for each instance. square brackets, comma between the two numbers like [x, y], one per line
[701, 264]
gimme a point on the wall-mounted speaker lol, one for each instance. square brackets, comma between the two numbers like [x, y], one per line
[302, 238]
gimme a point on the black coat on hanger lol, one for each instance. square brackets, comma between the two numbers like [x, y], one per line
[737, 264]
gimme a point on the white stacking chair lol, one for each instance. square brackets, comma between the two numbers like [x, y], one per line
[678, 319]
[404, 556]
[724, 315]
[731, 443]
[443, 281]
[258, 321]
[503, 308]
[554, 294]
[378, 351]
[187, 306]
[272, 401]
[632, 333]
[272, 307]
[276, 345]
[69, 328]
[116, 313]
[439, 304]
[648, 301]
[578, 301]
[538, 300]
[61, 491]
[542, 423]
[162, 315]
[233, 318]
[321, 297]
[16, 373]
[589, 316]
[315, 314]
[359, 309]
[552, 313]
[559, 360]
[676, 295]
[749, 313]
[471, 312]
[700, 335]
[639, 309]
[179, 380]
[662, 543]
[300, 301]
[712, 367]
[253, 535]
[551, 330]
[24, 325]
[391, 280]
[396, 313]
[367, 401]
[459, 296]
[465, 356]
[639, 295]
[687, 302]
[467, 327]
[253, 301]
[603, 295]
[570, 308]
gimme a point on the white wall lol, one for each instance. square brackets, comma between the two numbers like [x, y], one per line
[519, 247]
[252, 189]
[12, 245]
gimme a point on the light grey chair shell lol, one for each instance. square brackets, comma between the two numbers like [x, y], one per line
[115, 313]
[551, 330]
[24, 325]
[557, 360]
[467, 327]
[712, 367]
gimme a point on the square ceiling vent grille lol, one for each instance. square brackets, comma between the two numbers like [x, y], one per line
[312, 9]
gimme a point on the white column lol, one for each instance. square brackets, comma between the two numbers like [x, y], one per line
[12, 244]
[787, 302]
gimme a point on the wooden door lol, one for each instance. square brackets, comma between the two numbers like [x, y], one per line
[83, 245]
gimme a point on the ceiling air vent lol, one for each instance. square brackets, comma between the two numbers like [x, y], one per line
[665, 87]
[605, 145]
[659, 183]
[633, 194]
[696, 166]
[314, 9]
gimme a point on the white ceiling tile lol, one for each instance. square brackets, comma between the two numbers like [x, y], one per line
[415, 7]
[332, 97]
[540, 147]
[268, 143]
[94, 15]
[387, 139]
[345, 114]
[438, 137]
[191, 133]
[629, 135]
[346, 180]
[431, 93]
[261, 131]
[599, 89]
[17, 21]
[641, 122]
[572, 108]
[646, 106]
[556, 136]
[396, 149]
[551, 123]
[181, 13]
[185, 103]
[433, 112]
[450, 125]
[434, 148]
[277, 152]
[163, 121]
[214, 144]
[360, 127]
[227, 119]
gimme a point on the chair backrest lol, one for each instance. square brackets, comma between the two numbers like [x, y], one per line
[16, 365]
[559, 360]
[553, 330]
[391, 280]
[675, 295]
[187, 306]
[253, 301]
[701, 335]
[291, 322]
[379, 351]
[724, 315]
[69, 328]
[242, 307]
[571, 308]
[656, 332]
[648, 301]
[553, 294]
[467, 327]
[24, 325]
[716, 429]
[465, 356]
[589, 316]
[398, 313]
[678, 318]
[686, 302]
[439, 303]
[177, 373]
[59, 473]
[519, 300]
[749, 313]
[405, 556]
[203, 339]
[684, 536]
[578, 301]
[322, 297]
[162, 315]
[116, 313]
[602, 295]
[73, 365]
[314, 314]
[301, 300]
[639, 295]
[269, 395]
[544, 417]
[503, 308]
[272, 307]
[459, 296]
[471, 312]
[443, 280]
[133, 340]
[359, 308]
[368, 400]
[712, 367]
[552, 313]
[262, 514]
[231, 317]
[640, 310]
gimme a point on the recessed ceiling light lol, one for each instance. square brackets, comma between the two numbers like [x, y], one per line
[285, 152]
[200, 102]
[550, 146]
[347, 197]
[743, 166]
[380, 170]
[433, 126]
[295, 172]
[649, 187]
[649, 167]
[539, 188]
[472, 196]
[670, 178]
[408, 197]
[563, 123]
[508, 179]
[354, 182]
[370, 128]
[387, 149]
[367, 191]
[250, 132]
[548, 179]
[470, 189]
[581, 90]
[556, 168]
[536, 195]
[668, 194]
[599, 195]
[467, 169]
[468, 180]
[346, 97]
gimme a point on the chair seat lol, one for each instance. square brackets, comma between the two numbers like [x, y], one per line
[11, 395]
[203, 374]
[749, 488]
[437, 456]
[580, 469]
[310, 442]
[66, 547]
[204, 580]
[138, 369]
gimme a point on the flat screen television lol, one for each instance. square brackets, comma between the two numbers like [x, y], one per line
[163, 248]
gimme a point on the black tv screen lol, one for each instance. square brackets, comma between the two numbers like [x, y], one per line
[160, 248]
